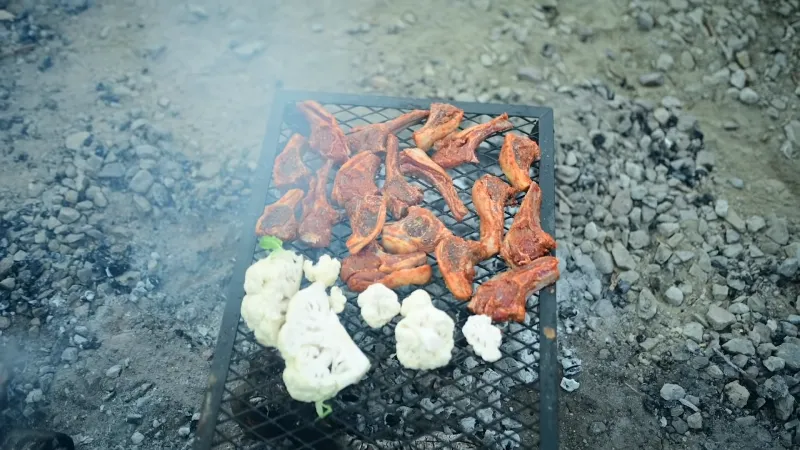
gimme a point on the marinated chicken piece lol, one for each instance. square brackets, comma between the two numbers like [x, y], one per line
[372, 138]
[457, 258]
[278, 219]
[526, 240]
[414, 161]
[372, 265]
[326, 136]
[459, 148]
[504, 297]
[516, 157]
[419, 231]
[443, 120]
[489, 195]
[399, 193]
[288, 169]
[356, 178]
[319, 217]
[367, 216]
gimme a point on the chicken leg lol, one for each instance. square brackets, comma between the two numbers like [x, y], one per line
[419, 231]
[356, 178]
[367, 216]
[279, 218]
[526, 240]
[489, 195]
[399, 193]
[459, 148]
[326, 136]
[372, 265]
[414, 161]
[288, 169]
[516, 157]
[318, 218]
[504, 297]
[457, 258]
[443, 120]
[372, 137]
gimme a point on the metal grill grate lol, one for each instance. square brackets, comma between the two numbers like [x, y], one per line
[469, 404]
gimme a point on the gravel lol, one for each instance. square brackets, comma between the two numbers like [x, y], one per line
[719, 318]
[672, 392]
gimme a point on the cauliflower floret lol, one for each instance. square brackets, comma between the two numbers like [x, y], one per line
[378, 305]
[424, 336]
[326, 270]
[269, 284]
[484, 338]
[337, 299]
[415, 300]
[321, 358]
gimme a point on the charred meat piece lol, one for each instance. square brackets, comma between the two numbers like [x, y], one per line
[457, 258]
[278, 219]
[319, 217]
[372, 138]
[419, 231]
[504, 297]
[367, 216]
[443, 120]
[516, 157]
[356, 178]
[414, 161]
[326, 136]
[399, 193]
[459, 148]
[526, 240]
[372, 265]
[288, 169]
[489, 195]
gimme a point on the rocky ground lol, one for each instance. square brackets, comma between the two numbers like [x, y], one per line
[130, 129]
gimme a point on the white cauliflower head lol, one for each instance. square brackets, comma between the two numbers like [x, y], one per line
[326, 270]
[269, 284]
[484, 337]
[337, 300]
[424, 336]
[378, 305]
[321, 358]
[416, 300]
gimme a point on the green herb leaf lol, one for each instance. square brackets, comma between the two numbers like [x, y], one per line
[323, 409]
[270, 243]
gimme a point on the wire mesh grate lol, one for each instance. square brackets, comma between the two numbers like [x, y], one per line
[469, 404]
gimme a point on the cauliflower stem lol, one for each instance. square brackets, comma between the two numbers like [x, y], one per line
[323, 409]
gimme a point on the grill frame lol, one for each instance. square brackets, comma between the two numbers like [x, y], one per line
[548, 379]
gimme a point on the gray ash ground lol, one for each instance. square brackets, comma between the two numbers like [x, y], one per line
[129, 135]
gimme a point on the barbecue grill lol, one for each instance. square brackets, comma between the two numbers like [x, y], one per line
[469, 404]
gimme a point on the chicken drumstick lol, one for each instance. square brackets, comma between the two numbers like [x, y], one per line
[443, 120]
[457, 258]
[459, 148]
[489, 195]
[526, 240]
[516, 157]
[414, 161]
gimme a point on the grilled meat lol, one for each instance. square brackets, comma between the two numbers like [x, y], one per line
[372, 265]
[399, 193]
[367, 215]
[443, 120]
[419, 231]
[489, 195]
[516, 157]
[504, 297]
[414, 161]
[278, 219]
[526, 240]
[372, 138]
[319, 217]
[356, 178]
[459, 148]
[288, 168]
[326, 136]
[457, 258]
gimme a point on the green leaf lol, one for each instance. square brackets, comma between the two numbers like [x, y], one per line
[270, 243]
[323, 409]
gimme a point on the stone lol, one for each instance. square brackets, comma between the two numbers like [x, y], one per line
[248, 50]
[672, 392]
[639, 239]
[681, 427]
[653, 79]
[740, 346]
[778, 231]
[184, 431]
[76, 141]
[788, 268]
[645, 21]
[604, 308]
[674, 296]
[112, 170]
[142, 204]
[738, 79]
[590, 231]
[719, 318]
[687, 60]
[567, 174]
[693, 331]
[695, 421]
[646, 306]
[790, 353]
[603, 261]
[8, 284]
[67, 215]
[622, 257]
[69, 355]
[719, 292]
[141, 181]
[721, 208]
[665, 62]
[774, 363]
[739, 308]
[748, 96]
[737, 394]
[5, 322]
[755, 224]
[774, 388]
[530, 74]
[114, 371]
[735, 221]
[137, 438]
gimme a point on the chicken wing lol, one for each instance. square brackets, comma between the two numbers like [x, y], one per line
[526, 240]
[516, 157]
[459, 148]
[504, 297]
[399, 193]
[457, 258]
[443, 120]
[419, 231]
[318, 218]
[288, 169]
[489, 195]
[372, 265]
[356, 178]
[414, 161]
[372, 137]
[278, 219]
[367, 215]
[326, 136]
